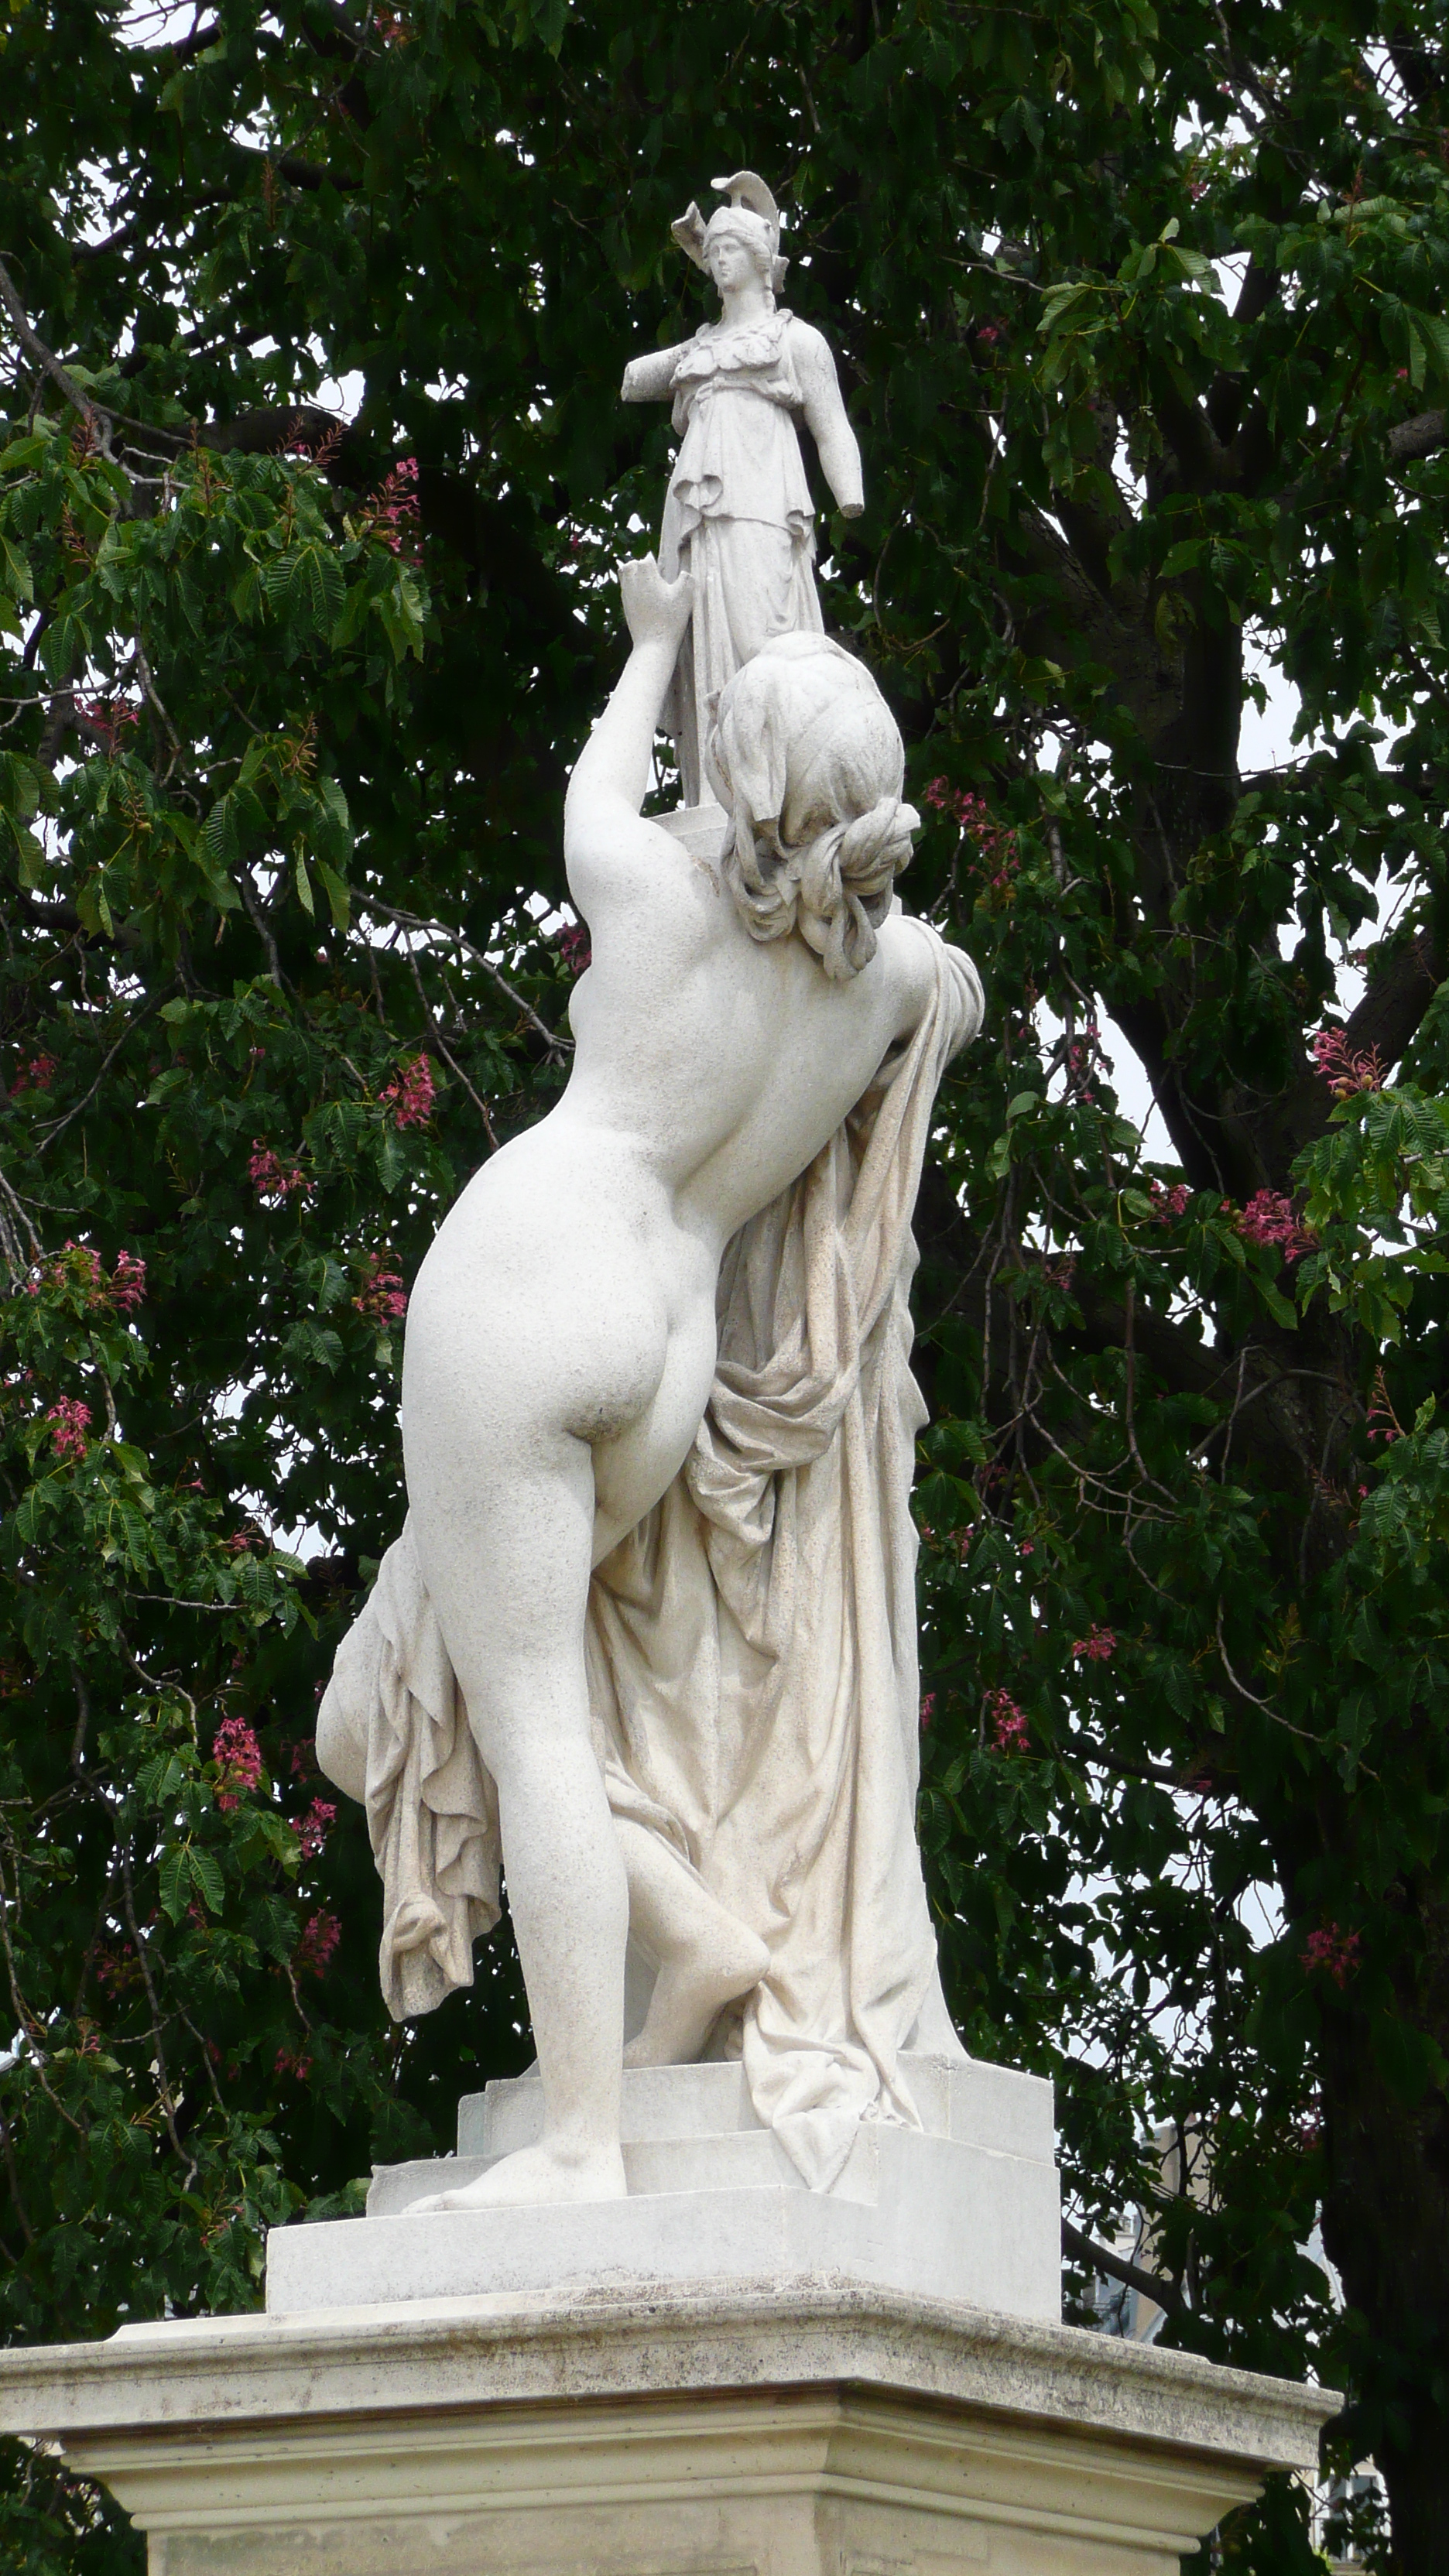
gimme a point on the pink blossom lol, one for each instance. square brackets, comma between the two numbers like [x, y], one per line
[1268, 1220]
[393, 508]
[988, 334]
[1010, 1732]
[382, 1297]
[994, 843]
[1333, 1950]
[72, 1421]
[109, 719]
[1028, 1547]
[128, 1285]
[273, 1180]
[321, 449]
[303, 1754]
[409, 1095]
[1085, 1060]
[1167, 1204]
[36, 1073]
[78, 1266]
[313, 1829]
[572, 943]
[1097, 1646]
[117, 1971]
[291, 2062]
[238, 1758]
[928, 1708]
[320, 1935]
[1342, 1070]
[1384, 1423]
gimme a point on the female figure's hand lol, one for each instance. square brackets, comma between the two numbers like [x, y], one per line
[653, 607]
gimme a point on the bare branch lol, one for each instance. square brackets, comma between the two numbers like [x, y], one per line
[1421, 436]
[148, 1012]
[415, 921]
[448, 1057]
[163, 2081]
[1100, 2258]
[35, 348]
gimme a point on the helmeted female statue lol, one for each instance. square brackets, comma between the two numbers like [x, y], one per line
[738, 517]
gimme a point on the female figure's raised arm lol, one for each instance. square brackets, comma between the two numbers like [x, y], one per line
[651, 378]
[611, 773]
[825, 416]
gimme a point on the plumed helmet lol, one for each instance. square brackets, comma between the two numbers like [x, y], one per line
[749, 211]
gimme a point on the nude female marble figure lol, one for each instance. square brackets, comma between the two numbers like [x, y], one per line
[738, 516]
[561, 1336]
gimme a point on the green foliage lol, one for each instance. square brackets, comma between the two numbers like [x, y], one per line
[1140, 320]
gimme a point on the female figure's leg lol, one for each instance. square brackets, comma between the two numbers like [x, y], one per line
[705, 1957]
[514, 1335]
[506, 1556]
[505, 1546]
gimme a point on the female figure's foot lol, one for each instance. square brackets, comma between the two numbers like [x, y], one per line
[549, 2171]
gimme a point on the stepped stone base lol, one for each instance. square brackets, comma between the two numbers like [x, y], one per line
[965, 2208]
[812, 2432]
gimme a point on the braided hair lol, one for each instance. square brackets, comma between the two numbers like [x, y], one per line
[807, 758]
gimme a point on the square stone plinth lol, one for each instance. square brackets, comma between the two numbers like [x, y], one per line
[813, 2431]
[966, 2207]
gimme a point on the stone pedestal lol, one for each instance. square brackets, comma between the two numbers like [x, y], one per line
[964, 2208]
[723, 2375]
[807, 2430]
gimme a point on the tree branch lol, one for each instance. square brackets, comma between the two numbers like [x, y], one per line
[415, 921]
[1100, 2258]
[35, 348]
[1421, 436]
[1228, 391]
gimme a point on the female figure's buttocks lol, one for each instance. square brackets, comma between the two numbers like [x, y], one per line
[562, 1306]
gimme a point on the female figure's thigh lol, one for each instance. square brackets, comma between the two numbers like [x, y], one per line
[521, 1353]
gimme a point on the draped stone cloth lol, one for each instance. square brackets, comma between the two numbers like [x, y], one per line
[751, 1647]
[432, 1810]
[738, 517]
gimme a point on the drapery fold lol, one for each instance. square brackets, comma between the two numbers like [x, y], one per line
[432, 1810]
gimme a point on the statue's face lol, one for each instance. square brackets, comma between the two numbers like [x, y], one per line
[731, 261]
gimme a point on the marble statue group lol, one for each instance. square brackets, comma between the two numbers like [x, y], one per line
[646, 1645]
[788, 2296]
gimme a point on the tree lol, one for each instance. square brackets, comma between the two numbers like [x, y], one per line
[1141, 328]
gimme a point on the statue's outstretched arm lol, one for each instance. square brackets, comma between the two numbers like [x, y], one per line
[611, 774]
[649, 379]
[825, 415]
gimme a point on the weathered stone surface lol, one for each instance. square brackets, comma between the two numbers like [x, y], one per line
[804, 2432]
